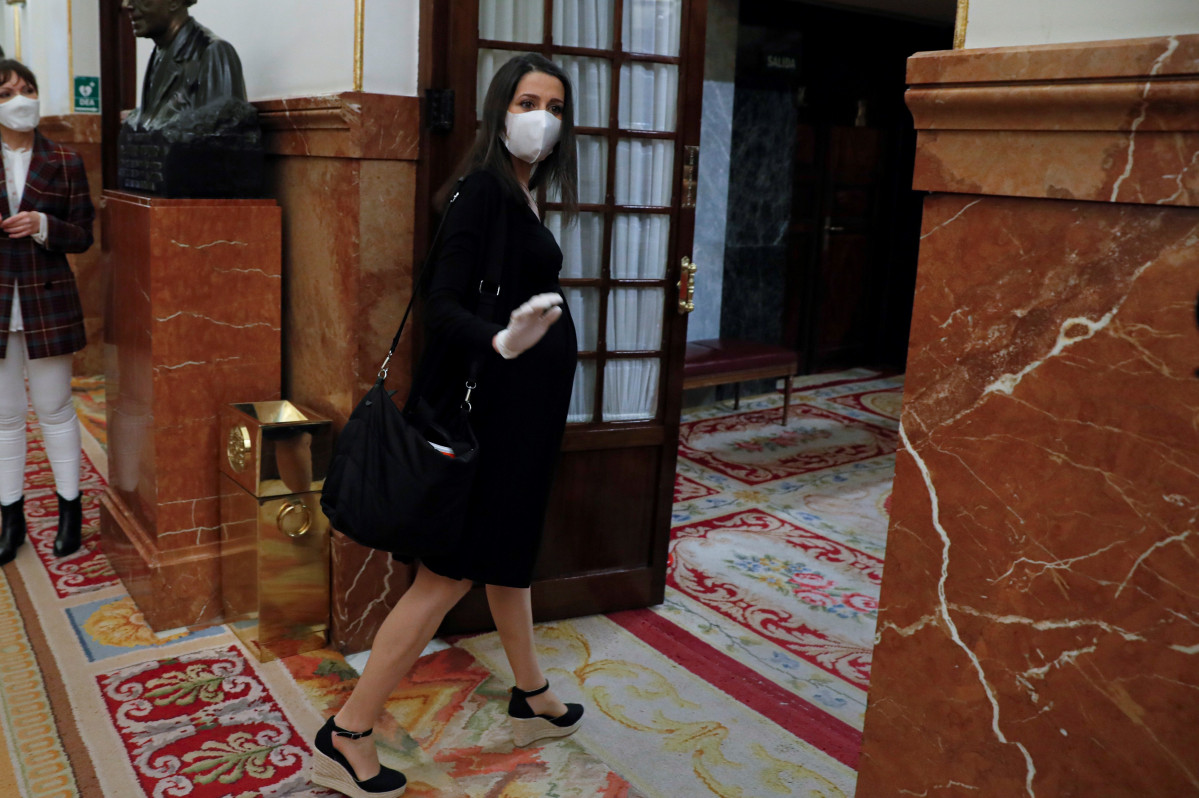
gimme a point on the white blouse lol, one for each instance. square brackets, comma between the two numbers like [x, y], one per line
[16, 170]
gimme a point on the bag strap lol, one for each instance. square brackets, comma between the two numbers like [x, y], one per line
[489, 288]
[419, 274]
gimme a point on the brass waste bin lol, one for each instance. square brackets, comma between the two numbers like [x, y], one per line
[274, 537]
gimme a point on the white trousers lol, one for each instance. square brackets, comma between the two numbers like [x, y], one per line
[50, 392]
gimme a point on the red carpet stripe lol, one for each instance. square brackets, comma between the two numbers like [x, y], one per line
[807, 722]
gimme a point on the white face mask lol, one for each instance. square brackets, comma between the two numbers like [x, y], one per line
[531, 136]
[20, 113]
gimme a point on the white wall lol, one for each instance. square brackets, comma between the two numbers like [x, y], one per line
[288, 48]
[1001, 23]
[47, 56]
[296, 48]
[391, 46]
[86, 26]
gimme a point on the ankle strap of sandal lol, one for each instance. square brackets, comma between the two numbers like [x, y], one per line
[353, 735]
[531, 693]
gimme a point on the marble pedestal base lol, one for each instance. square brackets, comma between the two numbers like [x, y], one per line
[193, 323]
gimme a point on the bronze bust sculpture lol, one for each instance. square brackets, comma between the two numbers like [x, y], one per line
[194, 133]
[189, 68]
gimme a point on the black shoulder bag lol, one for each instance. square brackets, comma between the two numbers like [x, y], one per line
[399, 480]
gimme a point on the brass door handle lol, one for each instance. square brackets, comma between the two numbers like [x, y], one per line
[687, 285]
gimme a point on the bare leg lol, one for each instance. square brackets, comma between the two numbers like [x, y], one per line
[512, 611]
[405, 632]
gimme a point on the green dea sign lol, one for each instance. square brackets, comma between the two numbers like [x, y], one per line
[87, 95]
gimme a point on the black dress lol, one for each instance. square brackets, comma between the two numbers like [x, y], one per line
[520, 405]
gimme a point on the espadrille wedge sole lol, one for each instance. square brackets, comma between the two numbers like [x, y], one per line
[528, 728]
[526, 731]
[327, 773]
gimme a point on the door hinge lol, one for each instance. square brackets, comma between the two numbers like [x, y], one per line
[690, 174]
[439, 110]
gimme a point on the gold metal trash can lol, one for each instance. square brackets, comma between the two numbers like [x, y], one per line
[274, 537]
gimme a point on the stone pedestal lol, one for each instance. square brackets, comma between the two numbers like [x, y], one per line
[1039, 621]
[192, 324]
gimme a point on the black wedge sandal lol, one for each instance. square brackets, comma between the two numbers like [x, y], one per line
[331, 769]
[528, 727]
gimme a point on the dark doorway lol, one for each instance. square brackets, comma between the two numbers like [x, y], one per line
[823, 227]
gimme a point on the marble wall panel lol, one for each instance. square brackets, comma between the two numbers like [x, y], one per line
[716, 133]
[711, 209]
[320, 200]
[1039, 628]
[385, 230]
[759, 211]
[348, 272]
[1107, 166]
[366, 584]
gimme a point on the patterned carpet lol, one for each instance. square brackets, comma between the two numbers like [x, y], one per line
[749, 681]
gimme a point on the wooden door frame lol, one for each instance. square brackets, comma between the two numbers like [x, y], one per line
[440, 30]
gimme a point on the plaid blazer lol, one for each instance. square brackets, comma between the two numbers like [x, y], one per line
[50, 307]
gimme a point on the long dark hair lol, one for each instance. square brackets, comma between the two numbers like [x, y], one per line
[559, 168]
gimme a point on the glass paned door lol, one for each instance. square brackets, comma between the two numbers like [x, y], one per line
[636, 67]
[623, 58]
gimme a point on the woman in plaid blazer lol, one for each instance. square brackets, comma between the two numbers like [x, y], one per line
[45, 212]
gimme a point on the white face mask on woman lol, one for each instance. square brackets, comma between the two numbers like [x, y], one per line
[20, 113]
[531, 136]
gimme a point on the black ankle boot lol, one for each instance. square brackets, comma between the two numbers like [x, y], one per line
[70, 526]
[12, 529]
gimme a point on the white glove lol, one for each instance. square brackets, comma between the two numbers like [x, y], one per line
[528, 324]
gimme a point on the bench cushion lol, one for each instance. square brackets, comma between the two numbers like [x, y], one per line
[718, 355]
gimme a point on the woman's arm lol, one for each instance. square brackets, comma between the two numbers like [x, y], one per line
[467, 242]
[74, 233]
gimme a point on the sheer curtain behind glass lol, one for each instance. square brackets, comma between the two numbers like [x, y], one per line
[653, 26]
[583, 23]
[640, 241]
[511, 20]
[643, 171]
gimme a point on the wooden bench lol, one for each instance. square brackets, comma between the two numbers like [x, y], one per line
[719, 361]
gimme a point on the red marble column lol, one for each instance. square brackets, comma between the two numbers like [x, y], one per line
[343, 168]
[1039, 623]
[192, 324]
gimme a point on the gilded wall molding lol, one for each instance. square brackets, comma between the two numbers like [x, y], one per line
[959, 27]
[359, 41]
